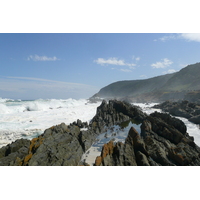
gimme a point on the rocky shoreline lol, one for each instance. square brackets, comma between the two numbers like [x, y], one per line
[186, 109]
[163, 141]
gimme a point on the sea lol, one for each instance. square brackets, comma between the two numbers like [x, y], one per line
[29, 118]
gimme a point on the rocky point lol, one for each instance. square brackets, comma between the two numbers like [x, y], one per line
[163, 141]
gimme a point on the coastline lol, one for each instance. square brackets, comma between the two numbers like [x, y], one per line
[85, 136]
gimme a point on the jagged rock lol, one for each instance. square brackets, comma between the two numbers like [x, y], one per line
[64, 144]
[142, 159]
[117, 154]
[58, 145]
[163, 142]
[186, 109]
[12, 154]
[115, 112]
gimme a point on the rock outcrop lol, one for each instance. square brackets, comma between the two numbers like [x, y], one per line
[13, 153]
[65, 144]
[163, 142]
[115, 112]
[186, 109]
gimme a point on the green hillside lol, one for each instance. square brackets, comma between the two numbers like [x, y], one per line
[160, 87]
[134, 87]
[187, 78]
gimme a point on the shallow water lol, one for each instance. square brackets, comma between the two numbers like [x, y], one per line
[115, 133]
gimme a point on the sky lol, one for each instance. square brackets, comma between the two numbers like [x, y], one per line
[71, 49]
[78, 65]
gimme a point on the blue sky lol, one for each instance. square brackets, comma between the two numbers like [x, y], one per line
[77, 65]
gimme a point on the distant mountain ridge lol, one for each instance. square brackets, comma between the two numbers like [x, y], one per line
[165, 87]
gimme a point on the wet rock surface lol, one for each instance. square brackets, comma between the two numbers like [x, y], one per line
[14, 152]
[65, 144]
[163, 142]
[186, 109]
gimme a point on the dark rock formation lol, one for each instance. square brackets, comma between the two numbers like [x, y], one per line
[65, 144]
[163, 142]
[14, 152]
[115, 112]
[195, 119]
[186, 109]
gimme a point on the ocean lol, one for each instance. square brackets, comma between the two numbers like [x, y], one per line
[28, 119]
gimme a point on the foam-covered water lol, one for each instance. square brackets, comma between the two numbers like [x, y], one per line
[28, 119]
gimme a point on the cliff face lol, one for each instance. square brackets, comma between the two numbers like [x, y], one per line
[167, 87]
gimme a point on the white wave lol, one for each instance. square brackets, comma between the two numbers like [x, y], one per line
[29, 118]
[192, 129]
[3, 100]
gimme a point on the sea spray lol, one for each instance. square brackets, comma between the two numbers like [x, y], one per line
[28, 119]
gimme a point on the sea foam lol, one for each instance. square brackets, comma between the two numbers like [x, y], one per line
[28, 119]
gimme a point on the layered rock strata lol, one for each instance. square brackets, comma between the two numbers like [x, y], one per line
[65, 144]
[185, 109]
[163, 142]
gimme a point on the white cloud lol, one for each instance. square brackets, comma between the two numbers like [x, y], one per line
[42, 58]
[113, 61]
[110, 61]
[168, 37]
[165, 63]
[170, 71]
[125, 70]
[137, 59]
[191, 36]
[186, 36]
